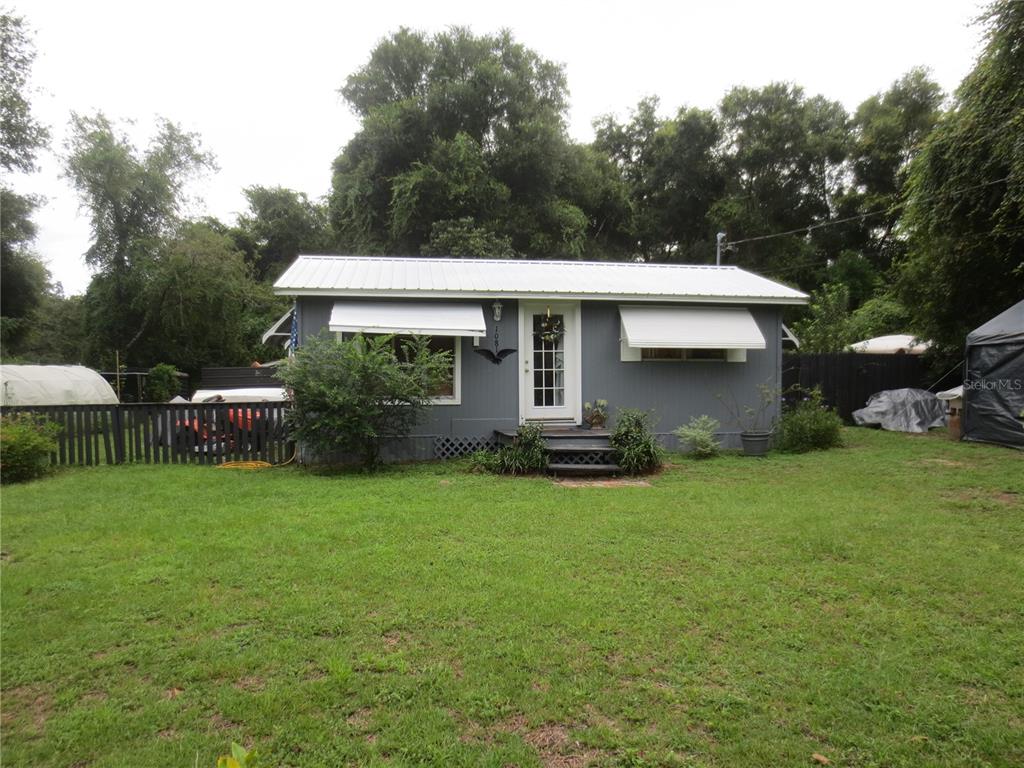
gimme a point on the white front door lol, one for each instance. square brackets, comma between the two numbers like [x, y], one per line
[549, 340]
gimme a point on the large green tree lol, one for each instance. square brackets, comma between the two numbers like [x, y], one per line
[279, 224]
[463, 149]
[134, 201]
[21, 134]
[24, 278]
[784, 154]
[674, 175]
[965, 216]
[889, 129]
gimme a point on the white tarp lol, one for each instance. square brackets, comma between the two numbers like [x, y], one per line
[241, 395]
[421, 319]
[895, 344]
[689, 328]
[53, 385]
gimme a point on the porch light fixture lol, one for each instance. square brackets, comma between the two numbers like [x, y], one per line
[497, 310]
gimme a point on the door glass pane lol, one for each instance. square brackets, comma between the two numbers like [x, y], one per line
[548, 344]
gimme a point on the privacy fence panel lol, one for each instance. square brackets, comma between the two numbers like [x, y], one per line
[848, 379]
[166, 433]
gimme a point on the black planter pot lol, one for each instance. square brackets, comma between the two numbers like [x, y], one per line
[756, 443]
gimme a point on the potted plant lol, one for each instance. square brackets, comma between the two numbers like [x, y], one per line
[595, 415]
[757, 423]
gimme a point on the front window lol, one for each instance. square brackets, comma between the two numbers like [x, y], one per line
[449, 391]
[650, 353]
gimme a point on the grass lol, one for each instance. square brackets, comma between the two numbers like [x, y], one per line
[865, 604]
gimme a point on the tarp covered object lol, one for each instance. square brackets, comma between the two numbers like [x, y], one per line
[994, 381]
[902, 410]
[53, 385]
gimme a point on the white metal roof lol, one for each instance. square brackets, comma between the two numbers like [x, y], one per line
[475, 278]
[427, 319]
[690, 328]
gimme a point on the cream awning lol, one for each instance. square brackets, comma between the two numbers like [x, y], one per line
[689, 328]
[419, 318]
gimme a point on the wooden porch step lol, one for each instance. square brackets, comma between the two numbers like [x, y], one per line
[596, 445]
[584, 469]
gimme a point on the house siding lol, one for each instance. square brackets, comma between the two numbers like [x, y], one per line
[674, 391]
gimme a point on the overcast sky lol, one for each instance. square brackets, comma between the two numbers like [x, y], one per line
[258, 80]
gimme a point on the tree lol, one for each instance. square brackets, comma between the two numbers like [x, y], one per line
[889, 129]
[134, 202]
[673, 174]
[784, 155]
[463, 145]
[279, 225]
[826, 326]
[353, 396]
[966, 196]
[24, 278]
[21, 135]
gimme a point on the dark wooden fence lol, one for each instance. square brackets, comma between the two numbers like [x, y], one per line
[848, 379]
[235, 377]
[166, 433]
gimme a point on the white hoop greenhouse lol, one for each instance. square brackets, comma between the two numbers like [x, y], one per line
[53, 385]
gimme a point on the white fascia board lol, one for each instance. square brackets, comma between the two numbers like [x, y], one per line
[333, 293]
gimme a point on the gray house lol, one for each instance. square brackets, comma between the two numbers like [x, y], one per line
[535, 340]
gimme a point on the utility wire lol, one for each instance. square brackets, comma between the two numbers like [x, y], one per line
[832, 222]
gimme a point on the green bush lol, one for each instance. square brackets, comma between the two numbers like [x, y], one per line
[526, 454]
[485, 461]
[26, 442]
[810, 425]
[161, 383]
[699, 435]
[636, 448]
[352, 396]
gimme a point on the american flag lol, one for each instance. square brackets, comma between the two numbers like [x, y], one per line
[293, 342]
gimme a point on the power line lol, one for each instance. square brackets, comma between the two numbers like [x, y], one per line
[823, 260]
[833, 222]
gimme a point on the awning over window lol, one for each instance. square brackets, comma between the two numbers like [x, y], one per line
[420, 318]
[283, 327]
[689, 328]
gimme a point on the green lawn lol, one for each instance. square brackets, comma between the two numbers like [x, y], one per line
[865, 604]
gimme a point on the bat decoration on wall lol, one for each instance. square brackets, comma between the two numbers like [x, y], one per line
[498, 354]
[495, 357]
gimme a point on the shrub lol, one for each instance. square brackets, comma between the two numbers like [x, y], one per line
[485, 461]
[699, 435]
[810, 425]
[354, 395]
[526, 454]
[636, 448]
[26, 443]
[161, 383]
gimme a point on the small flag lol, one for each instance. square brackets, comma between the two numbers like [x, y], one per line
[293, 342]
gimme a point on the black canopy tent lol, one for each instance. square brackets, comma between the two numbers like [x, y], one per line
[994, 381]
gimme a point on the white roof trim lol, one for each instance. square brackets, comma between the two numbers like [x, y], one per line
[433, 319]
[388, 277]
[275, 329]
[689, 328]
